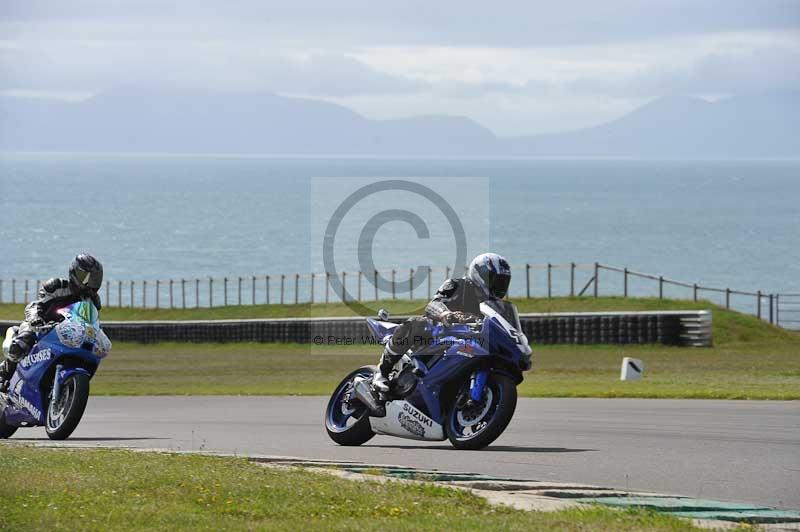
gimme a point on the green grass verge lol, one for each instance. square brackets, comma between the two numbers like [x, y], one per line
[732, 371]
[60, 489]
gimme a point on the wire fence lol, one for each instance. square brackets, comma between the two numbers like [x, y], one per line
[539, 280]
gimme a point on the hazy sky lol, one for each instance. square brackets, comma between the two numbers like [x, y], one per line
[516, 67]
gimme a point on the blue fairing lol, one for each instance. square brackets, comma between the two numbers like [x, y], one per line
[30, 386]
[381, 329]
[465, 350]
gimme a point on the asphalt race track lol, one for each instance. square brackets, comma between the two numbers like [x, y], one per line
[726, 450]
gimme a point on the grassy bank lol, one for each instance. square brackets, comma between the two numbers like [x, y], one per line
[731, 371]
[60, 489]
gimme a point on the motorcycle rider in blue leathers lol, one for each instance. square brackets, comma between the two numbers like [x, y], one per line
[85, 278]
[488, 277]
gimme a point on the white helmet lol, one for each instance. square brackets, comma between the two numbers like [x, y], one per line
[491, 274]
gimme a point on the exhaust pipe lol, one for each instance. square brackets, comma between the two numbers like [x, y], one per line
[364, 393]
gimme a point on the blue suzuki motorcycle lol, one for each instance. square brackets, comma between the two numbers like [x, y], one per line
[51, 385]
[461, 386]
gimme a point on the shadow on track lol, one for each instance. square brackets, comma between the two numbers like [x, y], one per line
[493, 448]
[90, 439]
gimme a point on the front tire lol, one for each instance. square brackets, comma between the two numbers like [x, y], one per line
[347, 422]
[475, 426]
[65, 412]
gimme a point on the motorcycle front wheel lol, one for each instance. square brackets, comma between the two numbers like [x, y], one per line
[473, 425]
[346, 418]
[65, 412]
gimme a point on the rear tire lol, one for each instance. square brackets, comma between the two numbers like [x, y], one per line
[6, 430]
[336, 415]
[65, 412]
[501, 393]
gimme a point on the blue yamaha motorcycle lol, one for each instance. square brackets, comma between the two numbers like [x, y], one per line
[462, 386]
[51, 385]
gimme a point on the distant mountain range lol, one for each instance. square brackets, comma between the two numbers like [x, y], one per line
[132, 120]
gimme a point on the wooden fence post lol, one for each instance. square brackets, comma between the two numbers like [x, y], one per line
[694, 291]
[239, 288]
[571, 279]
[225, 292]
[549, 280]
[429, 281]
[528, 280]
[312, 288]
[132, 283]
[394, 288]
[183, 293]
[253, 290]
[758, 296]
[344, 287]
[411, 284]
[360, 274]
[596, 279]
[266, 284]
[197, 293]
[144, 294]
[119, 294]
[210, 292]
[660, 287]
[771, 309]
[283, 281]
[327, 286]
[375, 283]
[170, 294]
[625, 282]
[296, 288]
[728, 298]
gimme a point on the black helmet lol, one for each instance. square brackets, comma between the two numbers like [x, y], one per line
[491, 274]
[85, 274]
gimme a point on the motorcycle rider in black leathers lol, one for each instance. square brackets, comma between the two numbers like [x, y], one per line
[456, 301]
[85, 278]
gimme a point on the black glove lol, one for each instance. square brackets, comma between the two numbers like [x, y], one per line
[37, 321]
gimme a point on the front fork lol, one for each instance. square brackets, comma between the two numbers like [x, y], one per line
[57, 383]
[477, 383]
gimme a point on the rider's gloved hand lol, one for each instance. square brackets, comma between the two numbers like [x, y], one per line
[451, 318]
[36, 322]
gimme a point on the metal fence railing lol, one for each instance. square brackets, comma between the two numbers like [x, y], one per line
[538, 280]
[787, 311]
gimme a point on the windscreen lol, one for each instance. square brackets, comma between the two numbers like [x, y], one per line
[83, 311]
[508, 310]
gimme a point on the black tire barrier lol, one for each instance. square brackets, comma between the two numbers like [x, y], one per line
[690, 328]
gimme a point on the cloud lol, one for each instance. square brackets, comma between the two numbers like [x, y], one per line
[522, 66]
[503, 23]
[212, 66]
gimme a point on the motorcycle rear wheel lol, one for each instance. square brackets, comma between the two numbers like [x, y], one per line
[477, 426]
[65, 412]
[340, 411]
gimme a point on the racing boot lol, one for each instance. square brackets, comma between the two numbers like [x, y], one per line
[7, 369]
[380, 380]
